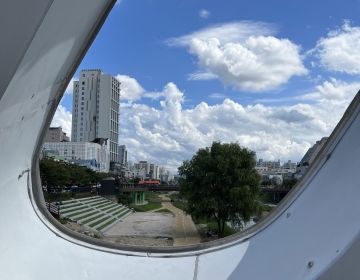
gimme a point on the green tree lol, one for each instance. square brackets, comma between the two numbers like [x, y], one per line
[221, 182]
[60, 173]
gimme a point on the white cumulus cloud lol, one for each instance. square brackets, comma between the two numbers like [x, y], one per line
[236, 31]
[62, 118]
[340, 50]
[244, 55]
[259, 64]
[170, 134]
[70, 87]
[130, 88]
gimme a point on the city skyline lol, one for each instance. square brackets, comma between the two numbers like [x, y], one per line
[274, 82]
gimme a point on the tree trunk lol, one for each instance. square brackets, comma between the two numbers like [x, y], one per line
[219, 227]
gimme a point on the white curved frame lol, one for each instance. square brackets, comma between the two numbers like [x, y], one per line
[313, 234]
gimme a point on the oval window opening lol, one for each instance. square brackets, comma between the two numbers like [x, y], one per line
[180, 136]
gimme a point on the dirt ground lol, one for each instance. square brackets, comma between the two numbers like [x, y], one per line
[150, 228]
[155, 228]
[185, 232]
[143, 224]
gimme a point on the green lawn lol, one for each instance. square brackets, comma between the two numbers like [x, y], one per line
[106, 207]
[80, 207]
[69, 205]
[98, 203]
[98, 222]
[93, 218]
[115, 210]
[152, 196]
[147, 207]
[85, 215]
[123, 213]
[81, 212]
[106, 224]
[154, 202]
[178, 201]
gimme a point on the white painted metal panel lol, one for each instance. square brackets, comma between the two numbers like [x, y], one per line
[314, 233]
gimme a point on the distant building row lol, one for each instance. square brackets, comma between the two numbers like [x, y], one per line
[146, 171]
[274, 173]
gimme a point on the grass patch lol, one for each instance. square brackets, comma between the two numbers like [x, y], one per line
[118, 211]
[106, 224]
[69, 205]
[108, 207]
[115, 210]
[147, 207]
[102, 207]
[152, 196]
[210, 223]
[97, 203]
[154, 202]
[92, 219]
[81, 212]
[98, 222]
[180, 204]
[123, 213]
[178, 201]
[71, 210]
[93, 212]
[68, 201]
[88, 199]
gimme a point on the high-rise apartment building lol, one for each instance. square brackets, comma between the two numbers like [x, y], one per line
[122, 155]
[95, 111]
[154, 171]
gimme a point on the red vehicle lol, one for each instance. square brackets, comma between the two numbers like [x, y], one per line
[149, 182]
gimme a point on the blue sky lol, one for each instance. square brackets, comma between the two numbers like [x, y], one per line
[274, 76]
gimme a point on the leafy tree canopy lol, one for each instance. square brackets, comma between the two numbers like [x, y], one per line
[59, 173]
[221, 182]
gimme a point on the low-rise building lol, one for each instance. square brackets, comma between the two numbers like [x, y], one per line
[56, 134]
[95, 156]
[309, 157]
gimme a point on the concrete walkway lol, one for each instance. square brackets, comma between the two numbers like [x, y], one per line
[185, 232]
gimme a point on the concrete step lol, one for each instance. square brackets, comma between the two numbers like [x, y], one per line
[79, 216]
[71, 209]
[100, 225]
[98, 202]
[117, 213]
[100, 207]
[85, 220]
[109, 207]
[76, 211]
[124, 214]
[87, 198]
[114, 209]
[95, 221]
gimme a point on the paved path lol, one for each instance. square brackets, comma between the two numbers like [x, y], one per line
[185, 232]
